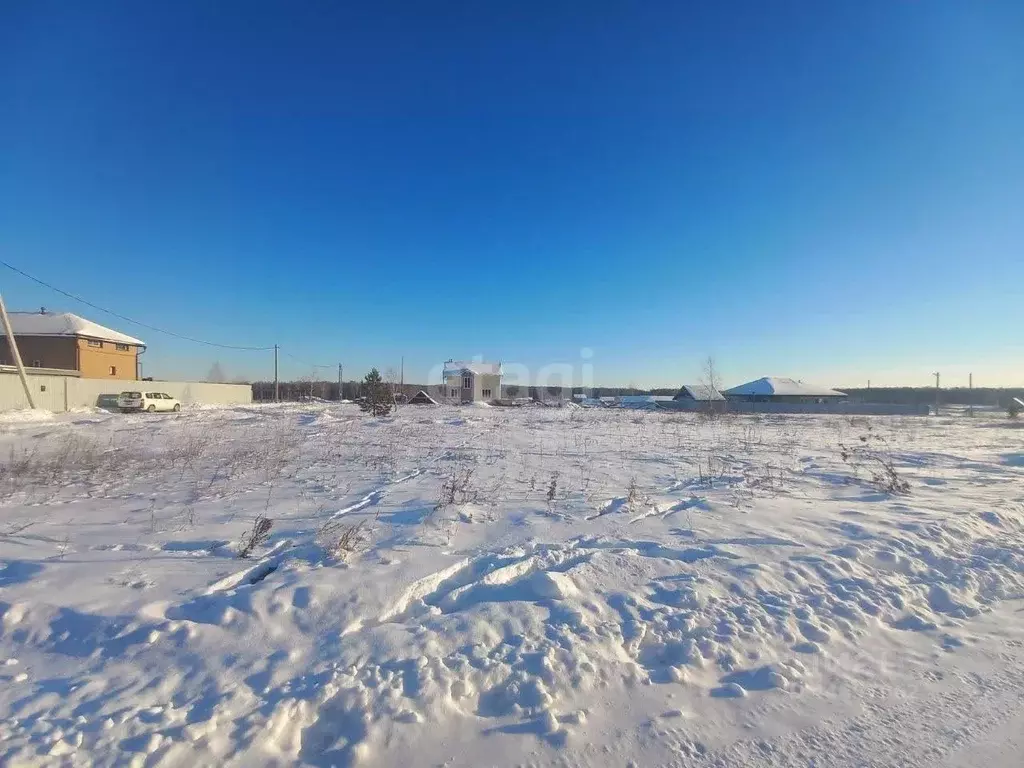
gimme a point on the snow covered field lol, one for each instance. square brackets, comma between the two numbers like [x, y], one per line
[512, 587]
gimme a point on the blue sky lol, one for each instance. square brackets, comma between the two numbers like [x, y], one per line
[830, 191]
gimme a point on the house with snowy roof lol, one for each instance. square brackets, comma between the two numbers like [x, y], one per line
[777, 389]
[698, 393]
[471, 381]
[65, 341]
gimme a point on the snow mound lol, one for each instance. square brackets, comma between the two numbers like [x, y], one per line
[25, 416]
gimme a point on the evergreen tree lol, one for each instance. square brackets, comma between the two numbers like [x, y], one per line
[378, 399]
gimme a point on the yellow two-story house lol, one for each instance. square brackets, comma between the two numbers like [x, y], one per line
[65, 341]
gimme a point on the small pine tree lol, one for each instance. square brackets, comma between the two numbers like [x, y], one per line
[1013, 409]
[378, 399]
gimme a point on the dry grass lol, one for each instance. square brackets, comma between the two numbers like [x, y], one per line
[457, 488]
[872, 452]
[256, 536]
[340, 539]
[636, 499]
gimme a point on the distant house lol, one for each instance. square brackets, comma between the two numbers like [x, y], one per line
[776, 389]
[471, 382]
[68, 342]
[698, 393]
[422, 398]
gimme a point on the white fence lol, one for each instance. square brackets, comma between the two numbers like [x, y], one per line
[62, 393]
[840, 408]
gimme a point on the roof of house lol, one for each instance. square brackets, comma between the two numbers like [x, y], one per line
[65, 324]
[458, 366]
[422, 398]
[780, 386]
[699, 392]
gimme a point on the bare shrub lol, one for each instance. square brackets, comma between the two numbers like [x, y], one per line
[635, 498]
[188, 517]
[753, 434]
[20, 468]
[74, 459]
[883, 475]
[62, 548]
[340, 539]
[185, 454]
[552, 492]
[457, 488]
[709, 470]
[256, 536]
[712, 382]
[765, 477]
[887, 479]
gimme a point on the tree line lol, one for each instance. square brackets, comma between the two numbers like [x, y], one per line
[309, 389]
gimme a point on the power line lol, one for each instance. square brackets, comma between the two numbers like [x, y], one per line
[305, 362]
[128, 319]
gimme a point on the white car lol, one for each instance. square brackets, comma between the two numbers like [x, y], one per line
[147, 401]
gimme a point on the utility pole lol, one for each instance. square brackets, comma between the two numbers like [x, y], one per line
[277, 386]
[15, 354]
[341, 393]
[936, 374]
[970, 394]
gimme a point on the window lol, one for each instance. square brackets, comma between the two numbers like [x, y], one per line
[487, 393]
[150, 396]
[42, 387]
[454, 392]
[467, 382]
[37, 364]
[122, 348]
[113, 370]
[94, 343]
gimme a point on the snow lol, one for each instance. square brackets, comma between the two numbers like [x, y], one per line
[456, 367]
[463, 587]
[65, 324]
[25, 416]
[777, 385]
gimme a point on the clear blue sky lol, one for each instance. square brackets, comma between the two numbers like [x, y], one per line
[830, 191]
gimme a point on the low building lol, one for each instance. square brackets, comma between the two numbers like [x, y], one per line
[698, 393]
[643, 402]
[696, 397]
[471, 382]
[422, 398]
[67, 342]
[776, 389]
